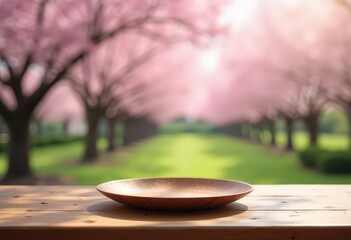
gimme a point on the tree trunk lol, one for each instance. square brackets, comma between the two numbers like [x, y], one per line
[257, 133]
[311, 122]
[18, 148]
[38, 126]
[136, 129]
[111, 130]
[126, 132]
[289, 133]
[349, 118]
[237, 130]
[271, 126]
[130, 131]
[251, 132]
[258, 130]
[65, 126]
[93, 117]
[247, 132]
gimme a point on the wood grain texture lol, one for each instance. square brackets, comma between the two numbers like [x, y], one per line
[257, 233]
[270, 212]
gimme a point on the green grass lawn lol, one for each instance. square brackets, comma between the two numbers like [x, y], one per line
[184, 155]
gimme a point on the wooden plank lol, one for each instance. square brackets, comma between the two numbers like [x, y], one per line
[26, 191]
[262, 233]
[260, 190]
[100, 202]
[302, 190]
[270, 212]
[126, 218]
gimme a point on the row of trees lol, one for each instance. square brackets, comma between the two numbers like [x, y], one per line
[94, 45]
[127, 61]
[284, 59]
[129, 91]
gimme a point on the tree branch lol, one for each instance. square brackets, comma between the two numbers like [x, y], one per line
[40, 92]
[5, 82]
[4, 111]
[135, 64]
[7, 64]
[39, 25]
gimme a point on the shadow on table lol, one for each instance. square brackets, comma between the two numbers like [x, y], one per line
[110, 209]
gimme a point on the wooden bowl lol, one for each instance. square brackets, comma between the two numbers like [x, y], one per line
[174, 193]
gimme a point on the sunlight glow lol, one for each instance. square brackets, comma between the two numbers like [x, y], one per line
[238, 13]
[209, 60]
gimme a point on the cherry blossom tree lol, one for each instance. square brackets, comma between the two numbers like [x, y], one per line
[148, 100]
[54, 36]
[275, 60]
[340, 62]
[98, 79]
[310, 73]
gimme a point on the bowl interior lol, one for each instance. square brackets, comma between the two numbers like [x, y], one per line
[175, 187]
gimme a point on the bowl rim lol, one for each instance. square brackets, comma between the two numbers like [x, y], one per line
[100, 186]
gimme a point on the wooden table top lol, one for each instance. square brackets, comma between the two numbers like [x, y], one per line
[269, 212]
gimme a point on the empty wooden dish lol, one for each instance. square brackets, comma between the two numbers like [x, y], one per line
[174, 193]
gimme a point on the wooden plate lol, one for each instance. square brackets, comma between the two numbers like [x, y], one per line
[175, 193]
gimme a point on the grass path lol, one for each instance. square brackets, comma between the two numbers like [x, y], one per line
[183, 155]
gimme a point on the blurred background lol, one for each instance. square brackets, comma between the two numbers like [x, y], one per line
[257, 91]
